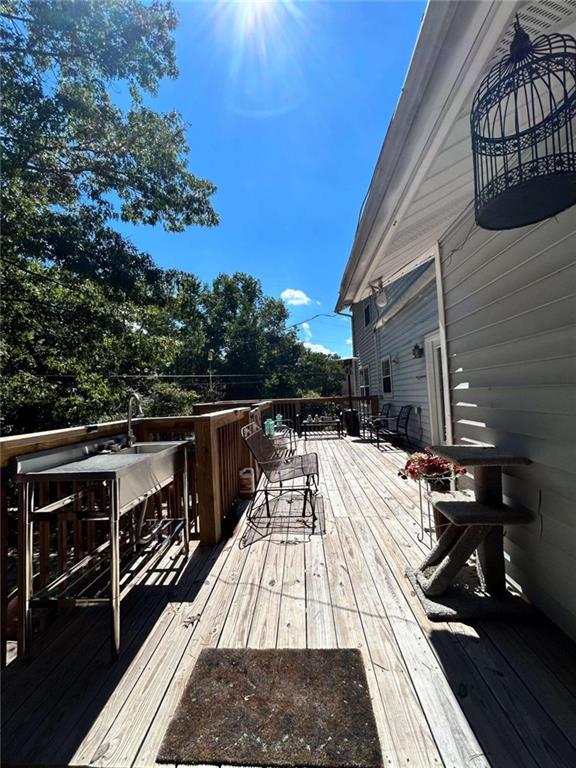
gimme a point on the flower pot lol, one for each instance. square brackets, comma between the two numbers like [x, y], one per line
[439, 485]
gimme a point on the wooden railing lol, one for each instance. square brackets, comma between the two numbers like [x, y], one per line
[295, 408]
[220, 454]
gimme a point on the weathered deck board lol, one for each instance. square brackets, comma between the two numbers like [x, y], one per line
[452, 695]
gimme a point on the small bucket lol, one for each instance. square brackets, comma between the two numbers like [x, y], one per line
[246, 484]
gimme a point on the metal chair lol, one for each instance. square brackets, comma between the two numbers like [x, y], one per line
[278, 469]
[367, 421]
[401, 430]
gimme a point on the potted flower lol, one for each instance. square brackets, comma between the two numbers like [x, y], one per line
[437, 472]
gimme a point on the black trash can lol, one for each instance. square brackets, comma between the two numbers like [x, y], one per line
[352, 422]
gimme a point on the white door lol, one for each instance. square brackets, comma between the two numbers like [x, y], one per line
[435, 378]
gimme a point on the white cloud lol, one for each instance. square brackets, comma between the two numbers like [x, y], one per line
[318, 348]
[295, 297]
[306, 329]
[349, 341]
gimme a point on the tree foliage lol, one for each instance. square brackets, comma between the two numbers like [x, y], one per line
[66, 141]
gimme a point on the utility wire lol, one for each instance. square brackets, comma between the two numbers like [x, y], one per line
[321, 314]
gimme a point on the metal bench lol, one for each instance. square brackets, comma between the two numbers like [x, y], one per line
[279, 469]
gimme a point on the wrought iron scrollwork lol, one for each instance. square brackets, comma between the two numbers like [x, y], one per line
[522, 125]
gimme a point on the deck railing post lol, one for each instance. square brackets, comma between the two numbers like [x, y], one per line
[208, 481]
[244, 454]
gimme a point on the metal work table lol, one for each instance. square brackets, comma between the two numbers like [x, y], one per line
[131, 475]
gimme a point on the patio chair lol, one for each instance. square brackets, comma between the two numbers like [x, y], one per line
[369, 422]
[399, 432]
[279, 469]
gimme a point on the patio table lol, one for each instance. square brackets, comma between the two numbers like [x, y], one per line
[321, 425]
[474, 524]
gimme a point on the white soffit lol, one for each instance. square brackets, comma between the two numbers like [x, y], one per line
[401, 224]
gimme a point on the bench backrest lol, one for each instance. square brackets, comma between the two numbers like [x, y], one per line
[259, 445]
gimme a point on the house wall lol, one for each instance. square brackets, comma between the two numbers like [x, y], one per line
[397, 338]
[510, 305]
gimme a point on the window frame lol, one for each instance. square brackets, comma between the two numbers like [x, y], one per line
[365, 381]
[386, 359]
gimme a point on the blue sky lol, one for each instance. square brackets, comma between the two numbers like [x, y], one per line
[287, 105]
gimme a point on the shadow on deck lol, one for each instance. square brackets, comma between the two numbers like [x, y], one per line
[493, 693]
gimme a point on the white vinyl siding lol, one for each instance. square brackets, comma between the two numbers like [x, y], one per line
[510, 303]
[396, 338]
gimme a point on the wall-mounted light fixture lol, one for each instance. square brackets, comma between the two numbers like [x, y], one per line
[417, 351]
[379, 293]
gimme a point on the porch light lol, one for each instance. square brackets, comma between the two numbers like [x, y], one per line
[379, 293]
[417, 351]
[522, 129]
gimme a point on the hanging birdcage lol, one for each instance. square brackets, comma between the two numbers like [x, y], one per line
[523, 142]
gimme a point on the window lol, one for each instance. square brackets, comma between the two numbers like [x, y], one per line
[365, 381]
[366, 315]
[386, 376]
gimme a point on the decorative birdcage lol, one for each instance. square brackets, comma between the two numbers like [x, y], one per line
[522, 125]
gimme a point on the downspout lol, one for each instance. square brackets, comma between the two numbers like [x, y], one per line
[351, 316]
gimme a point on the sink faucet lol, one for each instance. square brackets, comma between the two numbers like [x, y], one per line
[134, 398]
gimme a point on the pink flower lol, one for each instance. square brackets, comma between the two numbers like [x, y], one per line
[425, 464]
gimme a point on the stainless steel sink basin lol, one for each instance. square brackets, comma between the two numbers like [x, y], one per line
[140, 469]
[146, 448]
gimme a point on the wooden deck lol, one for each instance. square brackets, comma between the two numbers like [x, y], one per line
[455, 695]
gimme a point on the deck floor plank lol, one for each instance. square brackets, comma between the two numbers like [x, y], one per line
[150, 662]
[443, 694]
[476, 697]
[70, 693]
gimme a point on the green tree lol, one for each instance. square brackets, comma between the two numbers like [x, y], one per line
[71, 351]
[320, 373]
[85, 315]
[64, 140]
[247, 331]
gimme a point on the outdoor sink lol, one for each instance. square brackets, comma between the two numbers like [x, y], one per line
[133, 474]
[139, 469]
[140, 448]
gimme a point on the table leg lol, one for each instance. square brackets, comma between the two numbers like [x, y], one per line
[445, 573]
[115, 566]
[26, 571]
[490, 564]
[186, 511]
[491, 568]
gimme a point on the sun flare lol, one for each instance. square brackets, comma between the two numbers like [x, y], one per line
[263, 40]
